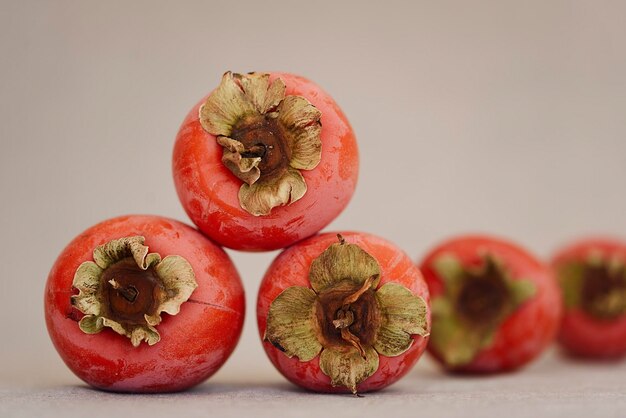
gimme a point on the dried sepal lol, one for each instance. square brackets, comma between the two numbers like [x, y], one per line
[264, 195]
[245, 168]
[243, 112]
[143, 333]
[347, 367]
[224, 107]
[296, 112]
[178, 280]
[91, 324]
[302, 128]
[291, 323]
[257, 88]
[306, 147]
[403, 314]
[87, 282]
[455, 342]
[113, 251]
[343, 262]
[176, 283]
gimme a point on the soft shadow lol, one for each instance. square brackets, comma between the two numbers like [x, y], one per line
[229, 387]
[572, 358]
[202, 389]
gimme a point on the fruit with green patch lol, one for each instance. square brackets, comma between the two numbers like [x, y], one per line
[495, 306]
[592, 275]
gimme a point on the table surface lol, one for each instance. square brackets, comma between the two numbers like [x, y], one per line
[553, 386]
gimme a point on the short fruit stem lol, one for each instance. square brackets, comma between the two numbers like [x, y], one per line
[345, 316]
[255, 151]
[341, 239]
[129, 293]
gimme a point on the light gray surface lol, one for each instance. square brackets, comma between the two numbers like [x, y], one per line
[551, 387]
[503, 117]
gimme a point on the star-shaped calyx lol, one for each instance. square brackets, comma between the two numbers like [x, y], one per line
[126, 289]
[597, 285]
[345, 317]
[474, 304]
[267, 138]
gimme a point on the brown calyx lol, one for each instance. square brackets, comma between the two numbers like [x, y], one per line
[603, 293]
[483, 298]
[262, 137]
[130, 293]
[349, 316]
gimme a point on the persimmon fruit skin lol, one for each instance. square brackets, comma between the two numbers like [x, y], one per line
[194, 343]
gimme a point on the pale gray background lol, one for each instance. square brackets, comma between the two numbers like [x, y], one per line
[503, 117]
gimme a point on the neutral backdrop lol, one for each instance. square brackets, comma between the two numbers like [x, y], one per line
[501, 117]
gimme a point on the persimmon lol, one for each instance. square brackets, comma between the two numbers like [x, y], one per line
[495, 306]
[592, 275]
[264, 160]
[343, 313]
[143, 304]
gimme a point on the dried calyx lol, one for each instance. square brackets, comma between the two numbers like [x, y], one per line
[126, 289]
[597, 286]
[345, 317]
[475, 302]
[267, 138]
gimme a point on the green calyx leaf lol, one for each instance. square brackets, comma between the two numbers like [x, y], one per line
[176, 283]
[403, 315]
[347, 367]
[475, 303]
[521, 291]
[455, 342]
[291, 323]
[571, 277]
[597, 285]
[449, 269]
[343, 262]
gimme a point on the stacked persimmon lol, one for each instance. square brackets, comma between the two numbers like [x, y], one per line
[265, 161]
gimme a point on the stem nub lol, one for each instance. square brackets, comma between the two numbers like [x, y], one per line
[263, 138]
[350, 316]
[130, 292]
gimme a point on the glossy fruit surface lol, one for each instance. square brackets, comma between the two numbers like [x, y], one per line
[190, 345]
[296, 267]
[593, 279]
[210, 192]
[495, 306]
